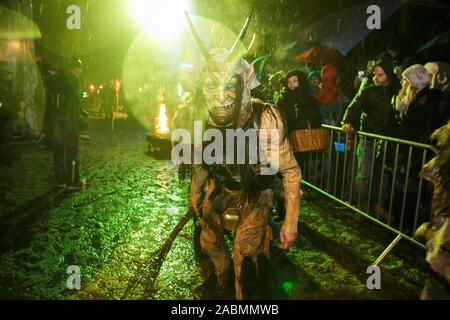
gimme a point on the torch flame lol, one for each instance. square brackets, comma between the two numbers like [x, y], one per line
[162, 123]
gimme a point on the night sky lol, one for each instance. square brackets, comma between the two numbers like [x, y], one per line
[108, 29]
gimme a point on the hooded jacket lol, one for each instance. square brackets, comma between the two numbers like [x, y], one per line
[326, 93]
[297, 106]
[370, 110]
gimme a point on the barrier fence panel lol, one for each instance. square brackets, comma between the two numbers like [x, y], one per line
[375, 176]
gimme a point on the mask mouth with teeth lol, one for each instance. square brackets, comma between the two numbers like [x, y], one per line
[222, 115]
[223, 96]
[227, 81]
[226, 87]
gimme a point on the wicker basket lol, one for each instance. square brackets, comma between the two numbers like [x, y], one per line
[317, 139]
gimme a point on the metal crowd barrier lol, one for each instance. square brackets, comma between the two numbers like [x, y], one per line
[388, 191]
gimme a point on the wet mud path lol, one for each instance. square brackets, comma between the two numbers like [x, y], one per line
[129, 208]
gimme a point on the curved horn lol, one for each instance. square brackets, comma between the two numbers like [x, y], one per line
[221, 42]
[213, 36]
[199, 42]
[242, 33]
[252, 43]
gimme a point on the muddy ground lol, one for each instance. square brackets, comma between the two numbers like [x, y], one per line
[131, 204]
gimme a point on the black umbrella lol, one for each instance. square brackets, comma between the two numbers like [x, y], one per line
[436, 41]
[344, 29]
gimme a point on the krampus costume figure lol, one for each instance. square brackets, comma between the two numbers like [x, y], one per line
[238, 197]
[437, 232]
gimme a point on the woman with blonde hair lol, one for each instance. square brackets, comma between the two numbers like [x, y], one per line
[417, 105]
[417, 116]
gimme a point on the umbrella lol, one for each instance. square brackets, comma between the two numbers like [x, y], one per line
[15, 26]
[320, 55]
[436, 41]
[344, 29]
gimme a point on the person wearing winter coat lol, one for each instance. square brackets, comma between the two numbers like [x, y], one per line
[326, 95]
[440, 74]
[417, 106]
[314, 81]
[371, 111]
[298, 108]
[418, 116]
[296, 104]
[63, 118]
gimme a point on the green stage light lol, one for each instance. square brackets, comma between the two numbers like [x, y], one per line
[287, 286]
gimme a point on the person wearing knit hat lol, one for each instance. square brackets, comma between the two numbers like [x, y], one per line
[415, 79]
[440, 73]
[417, 105]
[417, 76]
[314, 73]
[418, 116]
[314, 81]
